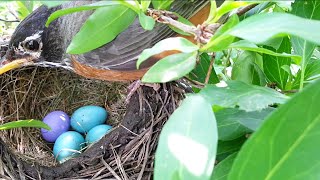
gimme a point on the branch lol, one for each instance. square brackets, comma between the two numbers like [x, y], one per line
[4, 20]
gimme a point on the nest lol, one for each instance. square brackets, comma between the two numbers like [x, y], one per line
[127, 152]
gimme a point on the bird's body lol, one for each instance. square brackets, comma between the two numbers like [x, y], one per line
[115, 61]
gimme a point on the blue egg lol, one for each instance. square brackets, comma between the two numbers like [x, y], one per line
[68, 145]
[87, 117]
[96, 133]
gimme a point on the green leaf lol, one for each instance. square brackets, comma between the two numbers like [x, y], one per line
[248, 68]
[87, 7]
[221, 39]
[146, 22]
[145, 5]
[213, 10]
[246, 45]
[247, 97]
[162, 4]
[262, 27]
[311, 10]
[184, 21]
[199, 73]
[24, 123]
[101, 27]
[175, 43]
[188, 142]
[228, 6]
[234, 123]
[289, 134]
[312, 72]
[273, 65]
[171, 68]
[226, 148]
[51, 4]
[222, 170]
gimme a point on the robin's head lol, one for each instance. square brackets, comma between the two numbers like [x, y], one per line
[26, 44]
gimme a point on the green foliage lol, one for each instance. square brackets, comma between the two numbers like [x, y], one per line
[222, 170]
[162, 4]
[187, 148]
[24, 123]
[96, 30]
[247, 97]
[288, 134]
[146, 22]
[184, 21]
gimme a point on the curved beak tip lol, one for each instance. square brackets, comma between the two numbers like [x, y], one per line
[6, 66]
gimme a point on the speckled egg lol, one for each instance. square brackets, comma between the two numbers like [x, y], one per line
[68, 145]
[96, 133]
[87, 117]
[59, 123]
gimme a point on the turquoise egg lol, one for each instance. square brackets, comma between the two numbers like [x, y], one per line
[87, 117]
[68, 145]
[96, 133]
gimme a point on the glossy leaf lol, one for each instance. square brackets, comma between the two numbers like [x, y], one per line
[228, 6]
[310, 10]
[100, 28]
[188, 142]
[24, 123]
[234, 123]
[247, 97]
[248, 68]
[146, 22]
[199, 73]
[221, 39]
[262, 27]
[175, 43]
[289, 134]
[213, 10]
[272, 65]
[87, 7]
[222, 170]
[246, 45]
[162, 4]
[171, 68]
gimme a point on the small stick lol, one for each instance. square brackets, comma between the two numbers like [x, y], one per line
[210, 69]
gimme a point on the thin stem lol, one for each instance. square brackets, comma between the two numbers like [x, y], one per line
[210, 69]
[4, 20]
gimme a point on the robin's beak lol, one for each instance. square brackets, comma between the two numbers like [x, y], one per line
[6, 66]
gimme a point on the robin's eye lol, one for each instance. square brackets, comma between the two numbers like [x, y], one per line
[32, 45]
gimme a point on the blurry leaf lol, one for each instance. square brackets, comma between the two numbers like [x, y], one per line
[287, 135]
[87, 7]
[247, 97]
[146, 22]
[51, 3]
[248, 68]
[213, 10]
[184, 21]
[162, 4]
[171, 68]
[234, 123]
[257, 9]
[221, 39]
[221, 171]
[225, 148]
[23, 10]
[272, 65]
[246, 45]
[175, 43]
[312, 72]
[24, 123]
[188, 142]
[310, 10]
[228, 6]
[145, 5]
[101, 27]
[262, 27]
[200, 72]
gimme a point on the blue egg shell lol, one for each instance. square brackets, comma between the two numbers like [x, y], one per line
[96, 133]
[87, 117]
[68, 145]
[59, 122]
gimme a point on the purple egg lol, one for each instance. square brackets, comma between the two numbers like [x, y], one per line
[59, 122]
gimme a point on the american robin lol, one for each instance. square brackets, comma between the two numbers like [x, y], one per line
[115, 61]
